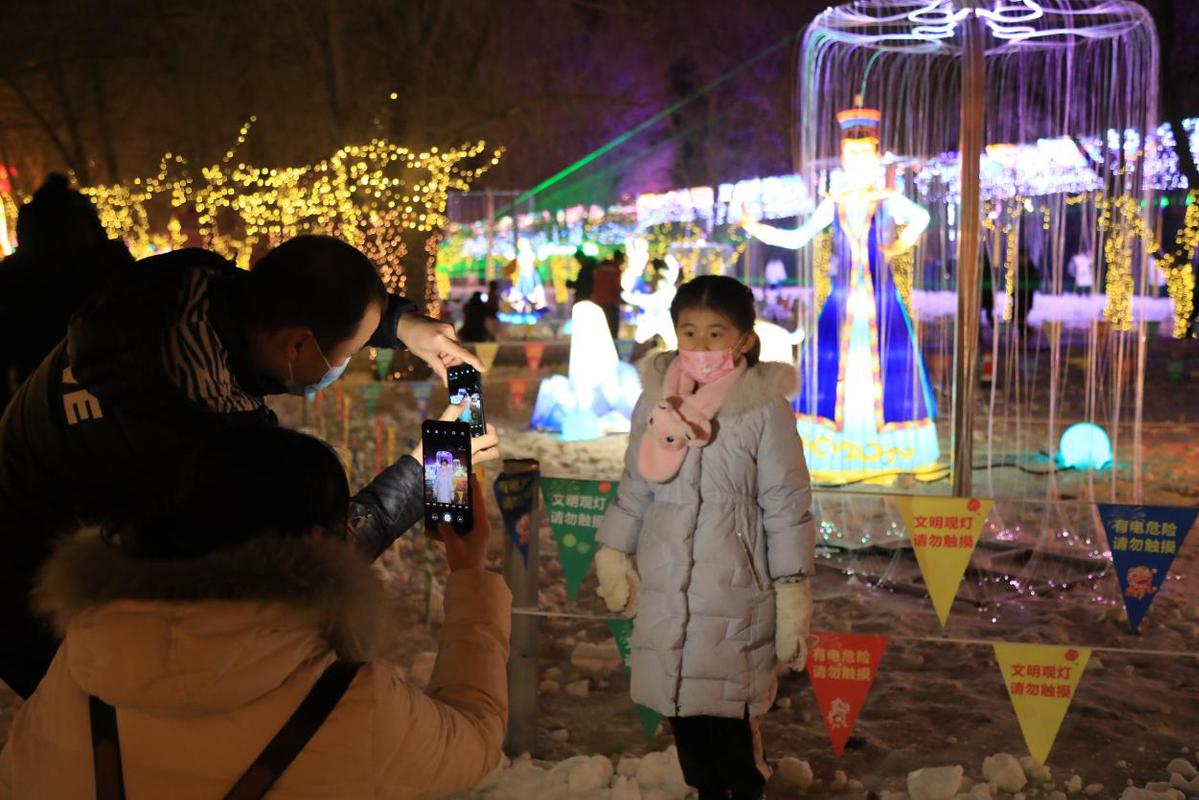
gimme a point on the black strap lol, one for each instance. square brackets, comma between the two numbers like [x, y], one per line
[106, 751]
[295, 733]
[274, 759]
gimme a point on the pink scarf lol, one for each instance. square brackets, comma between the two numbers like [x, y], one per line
[682, 419]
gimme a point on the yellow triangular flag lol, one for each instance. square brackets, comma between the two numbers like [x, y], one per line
[1041, 680]
[486, 352]
[944, 532]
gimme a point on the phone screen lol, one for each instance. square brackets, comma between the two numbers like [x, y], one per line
[466, 390]
[447, 474]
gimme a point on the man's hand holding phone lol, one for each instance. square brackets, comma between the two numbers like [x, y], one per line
[482, 448]
[468, 551]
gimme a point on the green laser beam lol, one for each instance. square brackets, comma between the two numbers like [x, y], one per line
[608, 147]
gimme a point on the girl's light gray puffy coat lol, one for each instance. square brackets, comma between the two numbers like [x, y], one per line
[709, 544]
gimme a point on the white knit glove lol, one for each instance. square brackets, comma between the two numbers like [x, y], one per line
[793, 623]
[618, 581]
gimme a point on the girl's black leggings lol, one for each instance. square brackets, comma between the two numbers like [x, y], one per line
[720, 757]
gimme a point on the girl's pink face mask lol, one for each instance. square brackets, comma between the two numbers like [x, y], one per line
[705, 366]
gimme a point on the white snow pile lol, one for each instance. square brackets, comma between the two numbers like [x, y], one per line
[1182, 784]
[1006, 777]
[656, 776]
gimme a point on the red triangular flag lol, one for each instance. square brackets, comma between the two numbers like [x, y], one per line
[516, 391]
[533, 353]
[841, 667]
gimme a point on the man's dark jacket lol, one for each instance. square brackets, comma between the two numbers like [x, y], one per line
[147, 370]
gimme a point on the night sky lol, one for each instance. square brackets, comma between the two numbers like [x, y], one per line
[105, 87]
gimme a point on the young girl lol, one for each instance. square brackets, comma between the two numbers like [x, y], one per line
[714, 503]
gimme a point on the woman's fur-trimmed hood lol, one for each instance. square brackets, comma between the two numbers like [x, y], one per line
[764, 383]
[210, 631]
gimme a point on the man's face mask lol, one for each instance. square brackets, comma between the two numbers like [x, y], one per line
[333, 373]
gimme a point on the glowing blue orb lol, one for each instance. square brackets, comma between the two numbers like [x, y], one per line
[1085, 446]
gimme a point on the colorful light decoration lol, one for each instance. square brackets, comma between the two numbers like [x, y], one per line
[1085, 446]
[863, 414]
[371, 195]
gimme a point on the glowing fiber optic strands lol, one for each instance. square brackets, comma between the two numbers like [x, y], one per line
[1051, 166]
[930, 24]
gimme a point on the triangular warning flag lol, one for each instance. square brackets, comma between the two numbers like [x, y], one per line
[622, 632]
[533, 353]
[575, 509]
[943, 532]
[486, 351]
[383, 362]
[1144, 541]
[516, 391]
[841, 667]
[370, 396]
[1041, 680]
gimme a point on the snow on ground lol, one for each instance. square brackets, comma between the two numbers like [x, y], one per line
[934, 707]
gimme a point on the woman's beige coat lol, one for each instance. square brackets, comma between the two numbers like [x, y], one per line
[205, 660]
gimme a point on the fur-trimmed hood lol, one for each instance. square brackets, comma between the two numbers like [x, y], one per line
[199, 635]
[764, 383]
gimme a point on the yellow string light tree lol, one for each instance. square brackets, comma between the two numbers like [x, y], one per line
[385, 199]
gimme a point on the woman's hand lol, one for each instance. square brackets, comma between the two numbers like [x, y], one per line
[469, 551]
[435, 343]
[482, 448]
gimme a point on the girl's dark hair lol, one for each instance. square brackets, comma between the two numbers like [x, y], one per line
[315, 282]
[724, 295]
[245, 482]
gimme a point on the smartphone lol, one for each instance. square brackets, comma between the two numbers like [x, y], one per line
[447, 475]
[466, 390]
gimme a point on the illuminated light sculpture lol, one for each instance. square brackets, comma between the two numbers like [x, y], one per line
[931, 67]
[865, 409]
[649, 298]
[526, 295]
[778, 343]
[597, 394]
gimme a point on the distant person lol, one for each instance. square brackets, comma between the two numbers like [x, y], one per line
[180, 347]
[584, 281]
[1081, 269]
[193, 636]
[493, 299]
[934, 275]
[606, 291]
[477, 321]
[1028, 281]
[63, 257]
[715, 505]
[987, 294]
[776, 273]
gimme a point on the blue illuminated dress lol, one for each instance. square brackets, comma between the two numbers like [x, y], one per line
[865, 408]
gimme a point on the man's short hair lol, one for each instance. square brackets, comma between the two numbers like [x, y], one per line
[315, 282]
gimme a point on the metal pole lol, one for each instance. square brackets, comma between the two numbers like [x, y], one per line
[523, 580]
[966, 327]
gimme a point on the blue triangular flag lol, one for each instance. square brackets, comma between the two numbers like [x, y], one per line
[1144, 541]
[514, 494]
